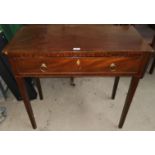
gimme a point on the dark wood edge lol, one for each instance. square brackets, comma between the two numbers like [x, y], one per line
[76, 54]
[77, 75]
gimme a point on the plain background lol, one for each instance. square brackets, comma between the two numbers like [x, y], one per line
[82, 12]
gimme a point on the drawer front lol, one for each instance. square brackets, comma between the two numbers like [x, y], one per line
[46, 65]
[110, 65]
[83, 65]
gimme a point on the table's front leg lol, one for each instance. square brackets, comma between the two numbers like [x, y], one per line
[130, 95]
[24, 95]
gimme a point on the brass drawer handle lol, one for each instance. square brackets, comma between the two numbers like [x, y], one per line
[5, 52]
[43, 67]
[113, 67]
[78, 62]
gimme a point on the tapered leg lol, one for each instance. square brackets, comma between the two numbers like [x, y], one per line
[152, 66]
[131, 92]
[24, 95]
[72, 81]
[38, 85]
[115, 87]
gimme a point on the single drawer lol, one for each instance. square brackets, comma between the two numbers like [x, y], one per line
[82, 65]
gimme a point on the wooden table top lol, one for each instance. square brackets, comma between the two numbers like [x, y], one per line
[60, 38]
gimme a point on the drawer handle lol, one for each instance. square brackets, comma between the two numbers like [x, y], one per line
[78, 62]
[43, 67]
[113, 67]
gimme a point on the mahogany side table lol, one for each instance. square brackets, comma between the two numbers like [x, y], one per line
[78, 51]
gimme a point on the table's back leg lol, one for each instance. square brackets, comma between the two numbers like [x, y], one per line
[38, 85]
[131, 92]
[24, 95]
[152, 66]
[115, 87]
[72, 83]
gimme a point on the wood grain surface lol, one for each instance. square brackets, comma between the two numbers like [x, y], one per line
[63, 40]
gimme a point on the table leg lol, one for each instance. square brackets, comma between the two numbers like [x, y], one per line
[131, 92]
[115, 87]
[152, 66]
[72, 81]
[38, 85]
[24, 95]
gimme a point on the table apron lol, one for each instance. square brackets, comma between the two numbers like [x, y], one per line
[79, 66]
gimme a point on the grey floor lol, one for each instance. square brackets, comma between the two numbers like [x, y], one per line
[87, 106]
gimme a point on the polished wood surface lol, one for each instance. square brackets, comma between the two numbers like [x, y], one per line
[66, 40]
[79, 66]
[77, 51]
